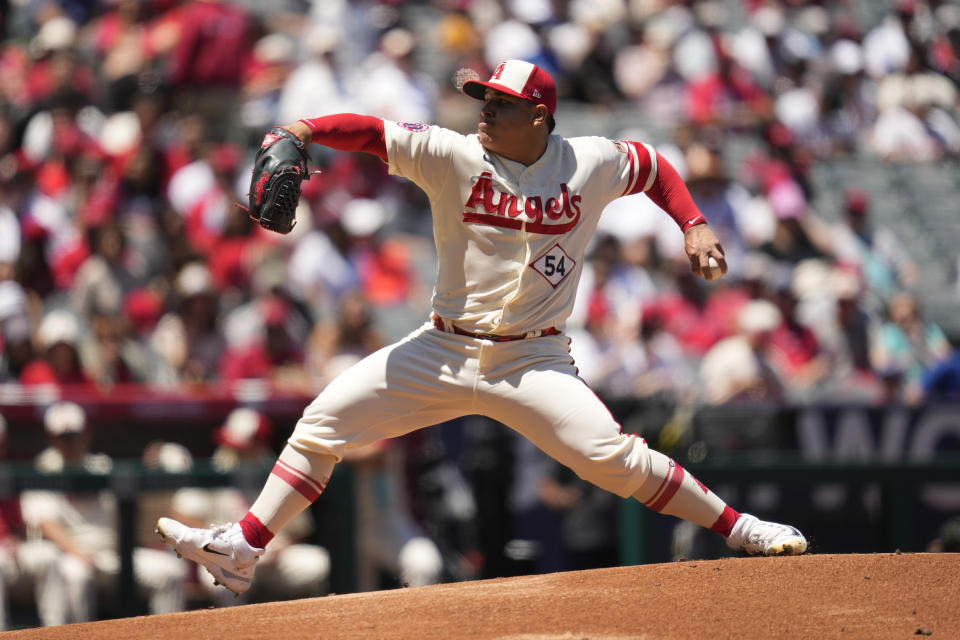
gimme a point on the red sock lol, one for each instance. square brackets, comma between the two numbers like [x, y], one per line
[724, 524]
[255, 533]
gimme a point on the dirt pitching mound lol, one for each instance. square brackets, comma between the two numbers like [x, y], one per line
[816, 596]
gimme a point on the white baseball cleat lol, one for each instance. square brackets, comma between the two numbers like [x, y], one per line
[760, 538]
[222, 550]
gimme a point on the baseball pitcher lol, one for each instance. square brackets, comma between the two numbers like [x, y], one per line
[514, 207]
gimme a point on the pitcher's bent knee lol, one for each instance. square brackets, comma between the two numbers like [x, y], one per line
[317, 432]
[620, 466]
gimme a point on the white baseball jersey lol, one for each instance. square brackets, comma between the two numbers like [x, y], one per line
[511, 241]
[510, 238]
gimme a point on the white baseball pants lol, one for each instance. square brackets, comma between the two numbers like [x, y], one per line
[431, 377]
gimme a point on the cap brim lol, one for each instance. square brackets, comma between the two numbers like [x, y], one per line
[475, 89]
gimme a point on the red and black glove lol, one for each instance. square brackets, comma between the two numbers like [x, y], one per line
[280, 167]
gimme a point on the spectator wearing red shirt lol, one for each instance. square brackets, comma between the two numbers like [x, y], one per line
[212, 46]
[689, 313]
[58, 67]
[273, 351]
[727, 97]
[58, 344]
[794, 348]
[209, 47]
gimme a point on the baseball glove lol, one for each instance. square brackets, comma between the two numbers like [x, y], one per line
[280, 167]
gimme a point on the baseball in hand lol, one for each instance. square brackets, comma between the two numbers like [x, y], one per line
[712, 271]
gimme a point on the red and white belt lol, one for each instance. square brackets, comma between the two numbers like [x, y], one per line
[447, 326]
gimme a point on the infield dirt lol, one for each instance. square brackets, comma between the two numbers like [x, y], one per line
[875, 597]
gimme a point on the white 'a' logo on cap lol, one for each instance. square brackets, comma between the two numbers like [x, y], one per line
[514, 74]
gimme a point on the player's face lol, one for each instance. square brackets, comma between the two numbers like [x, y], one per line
[506, 123]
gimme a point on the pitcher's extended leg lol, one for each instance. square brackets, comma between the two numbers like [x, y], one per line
[389, 393]
[296, 480]
[558, 412]
[423, 380]
[671, 490]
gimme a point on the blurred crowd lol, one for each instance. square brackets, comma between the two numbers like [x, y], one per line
[128, 128]
[60, 549]
[127, 133]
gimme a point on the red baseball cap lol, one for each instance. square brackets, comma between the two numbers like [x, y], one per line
[521, 79]
[856, 200]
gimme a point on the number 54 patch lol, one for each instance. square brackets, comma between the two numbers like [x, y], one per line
[554, 265]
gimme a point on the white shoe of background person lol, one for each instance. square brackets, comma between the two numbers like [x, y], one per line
[760, 538]
[222, 550]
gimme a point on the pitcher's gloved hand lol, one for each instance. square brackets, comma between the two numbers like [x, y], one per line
[280, 167]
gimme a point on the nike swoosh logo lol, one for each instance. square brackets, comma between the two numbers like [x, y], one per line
[207, 548]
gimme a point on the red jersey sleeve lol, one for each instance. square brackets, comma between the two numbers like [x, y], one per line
[349, 132]
[670, 193]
